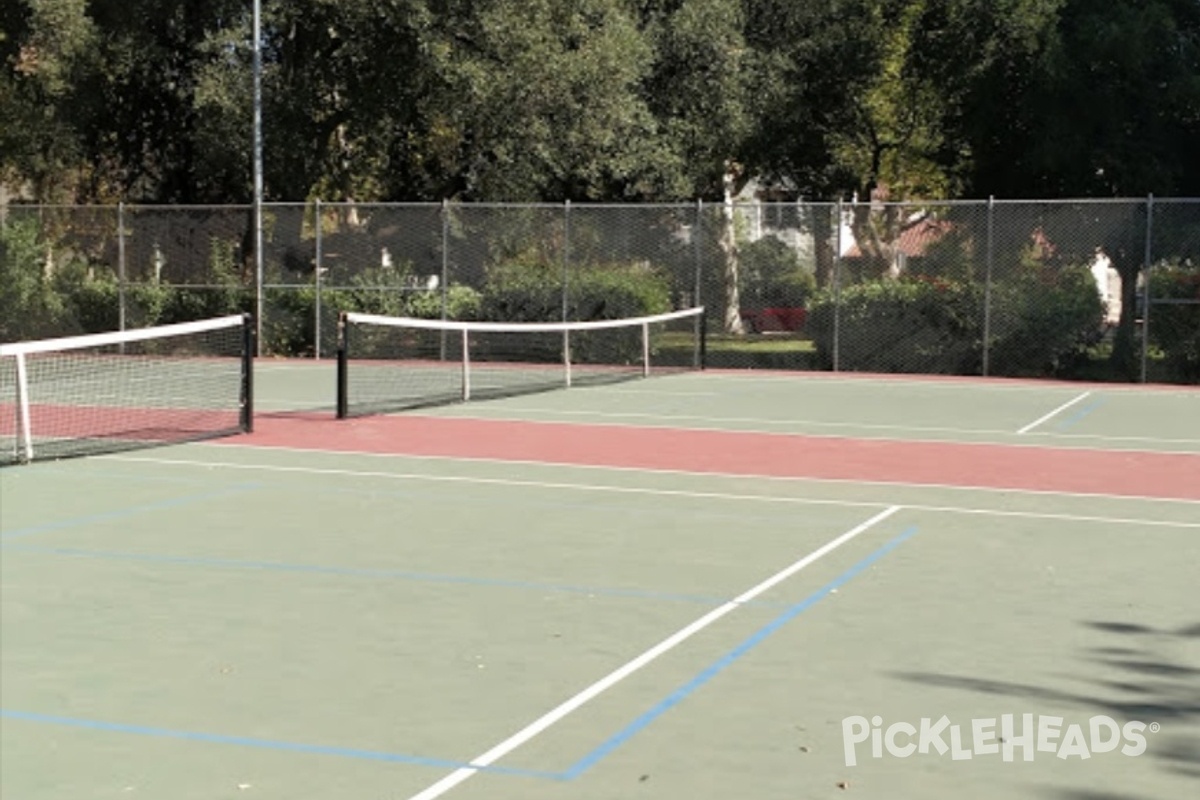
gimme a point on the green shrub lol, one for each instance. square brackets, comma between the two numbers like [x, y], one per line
[523, 292]
[91, 297]
[772, 276]
[909, 325]
[462, 303]
[290, 318]
[146, 304]
[532, 291]
[1043, 321]
[1174, 328]
[289, 321]
[191, 304]
[30, 305]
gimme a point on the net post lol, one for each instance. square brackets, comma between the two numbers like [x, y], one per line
[466, 365]
[24, 426]
[702, 340]
[645, 349]
[247, 389]
[343, 335]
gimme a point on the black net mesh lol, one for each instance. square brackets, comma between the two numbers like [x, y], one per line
[393, 366]
[115, 394]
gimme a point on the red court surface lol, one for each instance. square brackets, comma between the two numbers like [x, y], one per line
[1020, 468]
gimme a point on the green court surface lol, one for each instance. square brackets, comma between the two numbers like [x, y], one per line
[1163, 419]
[213, 621]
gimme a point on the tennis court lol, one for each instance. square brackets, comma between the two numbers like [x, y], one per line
[700, 585]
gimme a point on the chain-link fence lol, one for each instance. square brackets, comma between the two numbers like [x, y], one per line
[1099, 290]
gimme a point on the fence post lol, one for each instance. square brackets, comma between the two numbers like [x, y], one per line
[837, 285]
[121, 301]
[258, 181]
[445, 270]
[701, 322]
[566, 287]
[317, 277]
[697, 256]
[1147, 272]
[987, 285]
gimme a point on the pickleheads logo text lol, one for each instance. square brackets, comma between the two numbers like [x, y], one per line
[1010, 737]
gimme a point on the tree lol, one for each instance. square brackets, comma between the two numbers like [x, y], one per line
[45, 46]
[1102, 101]
[536, 101]
[701, 94]
[848, 108]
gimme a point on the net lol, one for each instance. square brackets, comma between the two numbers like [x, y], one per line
[109, 392]
[398, 363]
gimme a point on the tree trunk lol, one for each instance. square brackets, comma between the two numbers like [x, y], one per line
[729, 253]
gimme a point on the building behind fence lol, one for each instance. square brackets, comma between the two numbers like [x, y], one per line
[1099, 290]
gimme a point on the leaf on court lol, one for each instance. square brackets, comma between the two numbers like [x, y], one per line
[843, 784]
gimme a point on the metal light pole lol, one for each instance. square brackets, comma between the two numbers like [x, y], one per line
[258, 177]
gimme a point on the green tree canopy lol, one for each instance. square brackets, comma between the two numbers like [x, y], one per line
[600, 99]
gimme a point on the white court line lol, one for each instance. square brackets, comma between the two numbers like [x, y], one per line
[695, 495]
[570, 412]
[510, 413]
[959, 382]
[616, 676]
[692, 474]
[657, 392]
[295, 404]
[1055, 412]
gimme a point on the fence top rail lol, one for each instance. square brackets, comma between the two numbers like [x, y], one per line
[15, 205]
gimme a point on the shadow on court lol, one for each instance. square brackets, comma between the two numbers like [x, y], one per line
[1131, 676]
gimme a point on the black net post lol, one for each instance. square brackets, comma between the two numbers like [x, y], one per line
[342, 366]
[248, 352]
[702, 339]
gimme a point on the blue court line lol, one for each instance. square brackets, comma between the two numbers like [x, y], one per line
[710, 672]
[266, 744]
[128, 511]
[368, 572]
[1079, 413]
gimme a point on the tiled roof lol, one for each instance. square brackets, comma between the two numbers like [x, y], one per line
[915, 240]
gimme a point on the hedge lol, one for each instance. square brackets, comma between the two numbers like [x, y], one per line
[1175, 325]
[910, 325]
[533, 291]
[1042, 324]
[771, 275]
